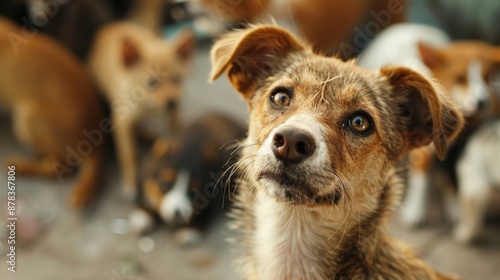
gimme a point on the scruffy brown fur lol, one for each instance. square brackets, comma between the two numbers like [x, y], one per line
[325, 218]
[53, 102]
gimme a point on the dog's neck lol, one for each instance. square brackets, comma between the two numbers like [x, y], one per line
[295, 242]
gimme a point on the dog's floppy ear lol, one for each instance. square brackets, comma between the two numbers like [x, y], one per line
[251, 54]
[431, 56]
[184, 44]
[425, 114]
[130, 53]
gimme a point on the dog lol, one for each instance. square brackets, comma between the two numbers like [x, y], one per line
[179, 181]
[465, 69]
[55, 109]
[141, 76]
[318, 182]
[478, 179]
[354, 22]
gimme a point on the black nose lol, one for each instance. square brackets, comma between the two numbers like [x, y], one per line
[171, 105]
[292, 145]
[481, 104]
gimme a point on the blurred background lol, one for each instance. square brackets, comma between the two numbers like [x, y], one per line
[56, 241]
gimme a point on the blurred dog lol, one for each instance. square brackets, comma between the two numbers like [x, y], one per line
[478, 178]
[354, 22]
[318, 179]
[466, 70]
[55, 110]
[141, 77]
[179, 182]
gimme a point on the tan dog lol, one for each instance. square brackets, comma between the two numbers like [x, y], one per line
[319, 183]
[141, 77]
[56, 110]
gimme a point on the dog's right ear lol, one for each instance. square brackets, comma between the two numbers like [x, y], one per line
[130, 53]
[250, 55]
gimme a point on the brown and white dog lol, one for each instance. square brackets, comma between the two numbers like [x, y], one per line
[318, 183]
[184, 179]
[466, 69]
[141, 76]
[55, 109]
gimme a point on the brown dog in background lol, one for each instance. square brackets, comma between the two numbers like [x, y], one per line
[319, 183]
[141, 76]
[340, 27]
[55, 109]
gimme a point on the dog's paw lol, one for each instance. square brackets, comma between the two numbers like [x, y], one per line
[140, 221]
[464, 234]
[186, 237]
[412, 216]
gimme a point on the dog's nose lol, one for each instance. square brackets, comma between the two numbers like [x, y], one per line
[292, 145]
[481, 104]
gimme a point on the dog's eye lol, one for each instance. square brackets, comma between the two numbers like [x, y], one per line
[360, 123]
[281, 97]
[176, 79]
[152, 83]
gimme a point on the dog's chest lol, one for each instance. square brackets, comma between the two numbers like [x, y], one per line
[286, 245]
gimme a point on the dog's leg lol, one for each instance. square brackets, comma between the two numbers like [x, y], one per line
[126, 147]
[474, 191]
[451, 205]
[30, 166]
[415, 202]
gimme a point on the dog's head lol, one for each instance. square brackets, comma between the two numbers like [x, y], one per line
[470, 71]
[174, 185]
[156, 69]
[321, 129]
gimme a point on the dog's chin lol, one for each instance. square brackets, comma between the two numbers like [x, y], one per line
[285, 188]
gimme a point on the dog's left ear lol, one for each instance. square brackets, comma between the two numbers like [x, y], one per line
[426, 115]
[431, 56]
[250, 55]
[184, 44]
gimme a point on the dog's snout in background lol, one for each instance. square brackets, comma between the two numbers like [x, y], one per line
[291, 145]
[176, 206]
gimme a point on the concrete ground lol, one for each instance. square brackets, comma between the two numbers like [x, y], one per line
[64, 244]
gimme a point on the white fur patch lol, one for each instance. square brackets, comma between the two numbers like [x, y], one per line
[281, 249]
[177, 200]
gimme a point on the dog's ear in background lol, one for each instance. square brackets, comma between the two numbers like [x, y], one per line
[431, 56]
[130, 53]
[184, 44]
[427, 116]
[250, 55]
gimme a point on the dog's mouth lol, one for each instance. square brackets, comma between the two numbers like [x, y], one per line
[293, 188]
